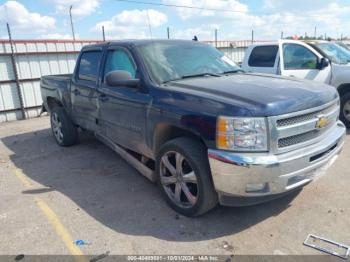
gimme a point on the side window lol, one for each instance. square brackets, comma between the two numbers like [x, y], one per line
[89, 65]
[263, 56]
[119, 60]
[298, 57]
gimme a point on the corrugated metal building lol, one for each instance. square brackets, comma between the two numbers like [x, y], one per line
[33, 59]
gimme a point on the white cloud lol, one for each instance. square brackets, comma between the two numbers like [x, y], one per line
[186, 13]
[202, 32]
[293, 17]
[296, 5]
[22, 20]
[57, 36]
[80, 8]
[140, 17]
[132, 23]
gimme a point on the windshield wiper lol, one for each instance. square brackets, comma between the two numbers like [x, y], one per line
[190, 76]
[233, 71]
[199, 75]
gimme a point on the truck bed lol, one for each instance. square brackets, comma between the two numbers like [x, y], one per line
[56, 86]
[59, 78]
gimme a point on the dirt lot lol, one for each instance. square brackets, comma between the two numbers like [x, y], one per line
[52, 196]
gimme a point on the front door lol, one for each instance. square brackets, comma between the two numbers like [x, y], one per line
[298, 59]
[123, 110]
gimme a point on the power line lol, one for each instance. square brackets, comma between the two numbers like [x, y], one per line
[217, 9]
[180, 6]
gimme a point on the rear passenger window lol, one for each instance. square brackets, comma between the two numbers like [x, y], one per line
[263, 56]
[89, 65]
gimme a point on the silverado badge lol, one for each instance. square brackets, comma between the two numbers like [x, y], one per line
[321, 122]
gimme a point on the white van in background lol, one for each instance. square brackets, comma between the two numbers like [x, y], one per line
[320, 61]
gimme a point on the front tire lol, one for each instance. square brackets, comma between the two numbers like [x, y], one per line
[63, 129]
[345, 109]
[184, 177]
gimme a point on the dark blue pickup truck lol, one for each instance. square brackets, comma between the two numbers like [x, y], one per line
[186, 116]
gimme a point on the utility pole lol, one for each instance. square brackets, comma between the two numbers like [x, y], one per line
[252, 36]
[103, 33]
[282, 35]
[315, 34]
[71, 21]
[168, 32]
[15, 72]
[216, 38]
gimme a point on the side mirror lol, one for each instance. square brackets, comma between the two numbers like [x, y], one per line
[325, 62]
[121, 78]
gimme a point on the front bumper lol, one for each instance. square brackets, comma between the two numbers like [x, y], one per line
[249, 178]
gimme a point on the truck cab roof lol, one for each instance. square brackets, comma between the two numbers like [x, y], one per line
[137, 42]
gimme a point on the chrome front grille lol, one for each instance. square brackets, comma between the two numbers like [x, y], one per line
[292, 140]
[295, 130]
[302, 118]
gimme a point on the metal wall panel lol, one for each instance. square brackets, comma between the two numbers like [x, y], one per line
[9, 97]
[6, 71]
[34, 58]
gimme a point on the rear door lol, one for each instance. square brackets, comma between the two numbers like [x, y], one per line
[298, 59]
[123, 109]
[262, 59]
[84, 88]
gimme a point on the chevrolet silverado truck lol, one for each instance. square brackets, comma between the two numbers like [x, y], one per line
[320, 61]
[187, 117]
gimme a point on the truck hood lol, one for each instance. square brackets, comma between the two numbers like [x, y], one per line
[260, 94]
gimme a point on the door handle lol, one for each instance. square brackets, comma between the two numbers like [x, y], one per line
[76, 92]
[103, 98]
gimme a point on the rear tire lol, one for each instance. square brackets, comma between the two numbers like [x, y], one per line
[63, 129]
[345, 109]
[184, 177]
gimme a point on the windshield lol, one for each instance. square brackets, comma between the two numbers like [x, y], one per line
[336, 53]
[173, 61]
[344, 46]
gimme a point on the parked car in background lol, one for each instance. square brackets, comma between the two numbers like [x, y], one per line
[186, 116]
[320, 61]
[347, 47]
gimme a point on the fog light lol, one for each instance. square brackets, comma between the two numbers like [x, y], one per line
[261, 187]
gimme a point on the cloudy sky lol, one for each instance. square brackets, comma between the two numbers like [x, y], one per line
[48, 19]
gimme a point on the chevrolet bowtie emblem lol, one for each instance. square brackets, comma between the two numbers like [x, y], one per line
[321, 122]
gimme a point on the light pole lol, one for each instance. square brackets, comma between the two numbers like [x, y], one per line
[71, 21]
[103, 33]
[315, 33]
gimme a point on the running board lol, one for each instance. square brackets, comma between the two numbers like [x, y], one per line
[138, 165]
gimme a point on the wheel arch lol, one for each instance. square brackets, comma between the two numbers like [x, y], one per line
[343, 89]
[166, 132]
[51, 102]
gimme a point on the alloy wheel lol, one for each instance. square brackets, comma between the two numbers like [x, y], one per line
[57, 127]
[179, 180]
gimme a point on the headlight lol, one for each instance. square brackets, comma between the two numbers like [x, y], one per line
[241, 134]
